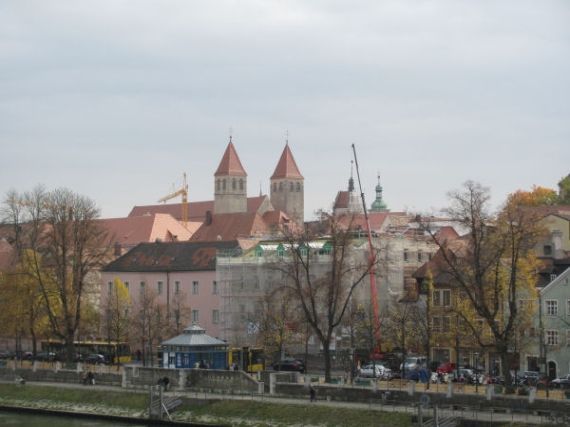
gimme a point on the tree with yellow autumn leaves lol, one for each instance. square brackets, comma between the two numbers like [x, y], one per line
[492, 266]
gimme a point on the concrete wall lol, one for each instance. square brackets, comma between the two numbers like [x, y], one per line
[192, 379]
[61, 376]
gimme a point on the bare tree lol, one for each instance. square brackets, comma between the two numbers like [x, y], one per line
[58, 238]
[492, 265]
[148, 325]
[323, 284]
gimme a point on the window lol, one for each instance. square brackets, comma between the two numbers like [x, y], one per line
[568, 337]
[568, 307]
[127, 285]
[552, 307]
[436, 324]
[233, 184]
[224, 184]
[214, 288]
[176, 287]
[142, 287]
[547, 250]
[551, 337]
[215, 316]
[442, 297]
[195, 288]
[298, 187]
[110, 286]
[280, 186]
[291, 186]
[195, 316]
[405, 254]
[159, 288]
[552, 277]
[274, 186]
[217, 185]
[419, 256]
[241, 184]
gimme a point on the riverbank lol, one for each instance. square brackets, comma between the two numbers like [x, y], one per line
[128, 405]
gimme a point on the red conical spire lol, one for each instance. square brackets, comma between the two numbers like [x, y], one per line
[286, 168]
[230, 164]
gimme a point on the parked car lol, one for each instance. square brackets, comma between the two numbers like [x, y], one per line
[95, 358]
[413, 362]
[293, 365]
[46, 356]
[445, 368]
[376, 370]
[562, 382]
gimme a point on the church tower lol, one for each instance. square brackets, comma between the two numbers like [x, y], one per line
[230, 193]
[287, 187]
[379, 205]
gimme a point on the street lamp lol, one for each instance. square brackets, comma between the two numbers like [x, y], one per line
[476, 373]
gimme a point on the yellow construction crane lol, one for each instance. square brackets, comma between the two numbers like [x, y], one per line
[181, 192]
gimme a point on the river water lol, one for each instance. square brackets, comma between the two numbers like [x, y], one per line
[29, 420]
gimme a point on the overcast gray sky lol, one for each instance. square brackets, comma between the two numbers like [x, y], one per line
[115, 99]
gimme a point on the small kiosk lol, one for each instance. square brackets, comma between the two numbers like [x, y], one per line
[194, 349]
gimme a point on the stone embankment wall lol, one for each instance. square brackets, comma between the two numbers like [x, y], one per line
[57, 376]
[404, 397]
[192, 379]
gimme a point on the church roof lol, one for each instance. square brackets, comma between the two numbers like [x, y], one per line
[230, 164]
[133, 230]
[286, 167]
[196, 210]
[341, 201]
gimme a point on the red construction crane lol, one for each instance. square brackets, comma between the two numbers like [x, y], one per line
[372, 264]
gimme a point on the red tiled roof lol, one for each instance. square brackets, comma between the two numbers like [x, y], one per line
[196, 210]
[446, 233]
[341, 201]
[229, 226]
[133, 230]
[286, 167]
[235, 225]
[376, 220]
[230, 164]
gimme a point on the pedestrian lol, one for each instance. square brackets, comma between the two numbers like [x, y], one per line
[312, 393]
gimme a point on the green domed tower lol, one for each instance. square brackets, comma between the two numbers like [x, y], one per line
[378, 205]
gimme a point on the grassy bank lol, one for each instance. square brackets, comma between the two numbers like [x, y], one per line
[229, 412]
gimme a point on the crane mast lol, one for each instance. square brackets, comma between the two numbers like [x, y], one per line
[183, 191]
[372, 263]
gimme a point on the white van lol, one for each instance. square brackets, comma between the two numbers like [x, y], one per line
[413, 362]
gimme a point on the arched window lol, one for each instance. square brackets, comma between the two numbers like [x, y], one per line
[233, 184]
[241, 184]
[298, 187]
[224, 184]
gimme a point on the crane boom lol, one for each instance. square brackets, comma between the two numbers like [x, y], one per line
[183, 191]
[372, 261]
